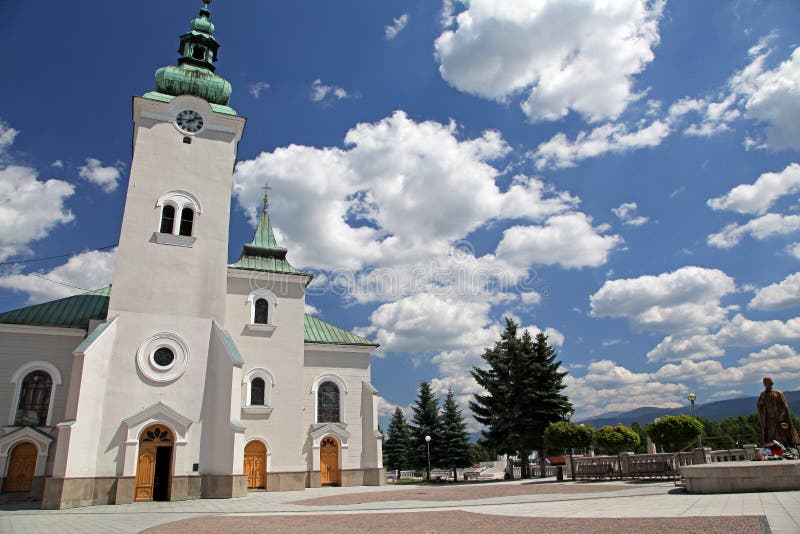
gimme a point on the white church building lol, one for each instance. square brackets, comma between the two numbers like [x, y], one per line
[187, 377]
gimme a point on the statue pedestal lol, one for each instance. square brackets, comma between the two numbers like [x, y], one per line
[742, 477]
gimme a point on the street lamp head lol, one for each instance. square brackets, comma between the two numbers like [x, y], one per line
[692, 397]
[568, 415]
[428, 439]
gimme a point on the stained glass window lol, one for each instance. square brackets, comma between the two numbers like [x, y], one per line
[328, 403]
[34, 399]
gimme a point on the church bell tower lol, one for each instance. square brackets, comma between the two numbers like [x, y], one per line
[174, 239]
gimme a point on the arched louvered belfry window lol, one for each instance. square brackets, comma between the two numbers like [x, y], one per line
[261, 314]
[34, 399]
[167, 219]
[328, 400]
[187, 220]
[257, 387]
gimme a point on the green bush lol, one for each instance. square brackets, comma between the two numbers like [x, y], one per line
[616, 439]
[565, 435]
[674, 432]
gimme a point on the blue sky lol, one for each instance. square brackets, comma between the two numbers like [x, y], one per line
[624, 177]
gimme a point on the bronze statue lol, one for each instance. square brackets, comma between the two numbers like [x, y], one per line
[773, 413]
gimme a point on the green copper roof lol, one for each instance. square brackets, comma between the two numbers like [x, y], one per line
[78, 310]
[318, 331]
[263, 253]
[69, 312]
[194, 74]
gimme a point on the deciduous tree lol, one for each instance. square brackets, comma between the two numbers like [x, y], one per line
[674, 432]
[616, 439]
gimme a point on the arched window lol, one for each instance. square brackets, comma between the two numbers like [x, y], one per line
[261, 314]
[187, 219]
[179, 211]
[328, 403]
[34, 399]
[167, 219]
[257, 387]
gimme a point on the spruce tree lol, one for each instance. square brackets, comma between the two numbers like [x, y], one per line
[398, 443]
[455, 441]
[523, 393]
[426, 423]
[545, 397]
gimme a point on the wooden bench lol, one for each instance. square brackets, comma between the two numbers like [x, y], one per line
[595, 471]
[651, 469]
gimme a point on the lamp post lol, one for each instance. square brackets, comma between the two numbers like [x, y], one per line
[428, 443]
[571, 463]
[692, 397]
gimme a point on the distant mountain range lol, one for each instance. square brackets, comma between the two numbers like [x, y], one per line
[716, 411]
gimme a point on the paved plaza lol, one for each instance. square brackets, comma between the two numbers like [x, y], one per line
[529, 506]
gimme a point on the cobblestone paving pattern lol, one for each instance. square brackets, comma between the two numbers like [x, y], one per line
[461, 522]
[462, 493]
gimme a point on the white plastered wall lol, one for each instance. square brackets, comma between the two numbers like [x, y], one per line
[280, 352]
[352, 368]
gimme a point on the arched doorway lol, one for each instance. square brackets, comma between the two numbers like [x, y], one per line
[154, 464]
[21, 467]
[329, 461]
[255, 465]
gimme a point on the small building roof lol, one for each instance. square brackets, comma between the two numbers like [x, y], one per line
[69, 312]
[316, 330]
[78, 310]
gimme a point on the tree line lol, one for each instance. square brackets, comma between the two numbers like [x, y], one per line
[523, 386]
[523, 409]
[406, 447]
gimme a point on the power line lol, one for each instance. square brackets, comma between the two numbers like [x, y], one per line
[57, 282]
[56, 257]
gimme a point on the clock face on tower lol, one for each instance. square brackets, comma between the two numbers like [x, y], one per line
[189, 121]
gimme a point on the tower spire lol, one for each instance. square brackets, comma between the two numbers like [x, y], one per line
[194, 74]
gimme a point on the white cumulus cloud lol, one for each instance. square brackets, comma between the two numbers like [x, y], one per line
[626, 212]
[397, 25]
[568, 240]
[761, 228]
[321, 92]
[579, 55]
[688, 298]
[29, 207]
[256, 88]
[87, 270]
[559, 152]
[784, 294]
[758, 197]
[106, 177]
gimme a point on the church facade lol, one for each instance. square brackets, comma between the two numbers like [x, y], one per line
[187, 377]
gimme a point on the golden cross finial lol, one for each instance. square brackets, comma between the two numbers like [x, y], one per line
[266, 188]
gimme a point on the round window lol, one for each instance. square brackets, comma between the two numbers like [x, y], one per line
[163, 357]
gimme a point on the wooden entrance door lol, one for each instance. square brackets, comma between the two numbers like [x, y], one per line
[255, 465]
[329, 461]
[21, 468]
[154, 465]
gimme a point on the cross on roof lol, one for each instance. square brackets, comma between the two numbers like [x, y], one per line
[266, 188]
